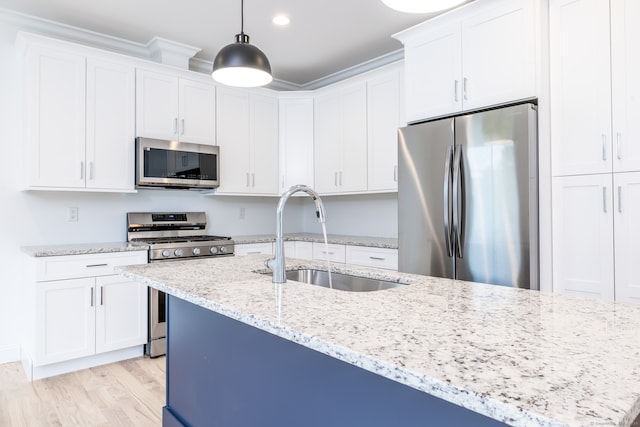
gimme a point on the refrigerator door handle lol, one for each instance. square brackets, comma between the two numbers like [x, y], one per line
[458, 187]
[447, 202]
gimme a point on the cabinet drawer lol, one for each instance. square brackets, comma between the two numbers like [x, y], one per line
[254, 248]
[76, 266]
[332, 252]
[372, 257]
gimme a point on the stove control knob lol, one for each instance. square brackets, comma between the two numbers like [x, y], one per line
[178, 252]
[213, 250]
[166, 253]
[196, 251]
[223, 249]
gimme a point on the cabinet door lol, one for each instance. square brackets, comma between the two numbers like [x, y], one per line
[433, 71]
[383, 117]
[157, 105]
[627, 226]
[498, 54]
[296, 142]
[327, 143]
[197, 112]
[583, 236]
[65, 326]
[625, 66]
[353, 173]
[121, 313]
[580, 81]
[56, 118]
[263, 120]
[110, 125]
[234, 139]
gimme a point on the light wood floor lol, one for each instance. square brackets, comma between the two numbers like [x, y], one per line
[129, 393]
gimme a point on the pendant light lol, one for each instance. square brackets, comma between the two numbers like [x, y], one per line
[240, 63]
[421, 6]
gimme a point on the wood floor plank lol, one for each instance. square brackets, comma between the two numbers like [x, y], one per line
[128, 393]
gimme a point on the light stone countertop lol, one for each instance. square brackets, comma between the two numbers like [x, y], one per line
[522, 357]
[82, 249]
[375, 242]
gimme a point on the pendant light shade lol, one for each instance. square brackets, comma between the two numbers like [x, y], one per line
[240, 63]
[421, 6]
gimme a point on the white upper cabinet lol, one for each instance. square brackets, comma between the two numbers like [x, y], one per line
[580, 87]
[110, 124]
[80, 119]
[174, 108]
[480, 55]
[247, 126]
[340, 139]
[625, 66]
[383, 121]
[296, 141]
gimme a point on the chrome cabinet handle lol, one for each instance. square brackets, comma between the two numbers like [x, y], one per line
[619, 145]
[101, 295]
[604, 147]
[604, 199]
[340, 180]
[175, 125]
[91, 170]
[248, 179]
[96, 265]
[182, 127]
[282, 185]
[455, 90]
[81, 170]
[620, 198]
[464, 89]
[91, 297]
[447, 200]
[395, 173]
[376, 258]
[253, 179]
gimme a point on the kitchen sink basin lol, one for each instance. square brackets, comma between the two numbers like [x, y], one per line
[343, 282]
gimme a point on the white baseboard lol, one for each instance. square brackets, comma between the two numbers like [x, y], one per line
[9, 353]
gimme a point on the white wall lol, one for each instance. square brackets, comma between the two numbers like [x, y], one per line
[40, 218]
[357, 215]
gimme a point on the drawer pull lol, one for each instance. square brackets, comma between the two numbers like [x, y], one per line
[254, 253]
[97, 265]
[376, 258]
[328, 253]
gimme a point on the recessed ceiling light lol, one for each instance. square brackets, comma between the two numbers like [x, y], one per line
[281, 20]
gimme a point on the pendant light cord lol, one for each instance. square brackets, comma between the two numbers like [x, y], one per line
[241, 16]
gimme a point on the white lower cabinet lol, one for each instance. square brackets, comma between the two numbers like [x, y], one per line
[372, 257]
[583, 257]
[80, 314]
[627, 236]
[243, 249]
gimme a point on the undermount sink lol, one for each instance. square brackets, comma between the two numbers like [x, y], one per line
[343, 282]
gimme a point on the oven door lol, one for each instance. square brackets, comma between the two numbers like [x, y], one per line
[175, 164]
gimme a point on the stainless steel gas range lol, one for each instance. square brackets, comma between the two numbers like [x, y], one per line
[172, 236]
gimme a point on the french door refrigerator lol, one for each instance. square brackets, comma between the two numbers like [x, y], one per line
[468, 197]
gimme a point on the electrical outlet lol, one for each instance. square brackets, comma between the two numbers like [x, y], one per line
[72, 214]
[242, 213]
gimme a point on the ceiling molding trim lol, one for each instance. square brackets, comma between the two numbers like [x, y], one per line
[47, 27]
[90, 38]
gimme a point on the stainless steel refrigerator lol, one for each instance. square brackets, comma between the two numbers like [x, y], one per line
[468, 197]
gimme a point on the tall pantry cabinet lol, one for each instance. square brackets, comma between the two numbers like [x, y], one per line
[595, 137]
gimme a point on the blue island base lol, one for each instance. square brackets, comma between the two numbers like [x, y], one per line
[224, 373]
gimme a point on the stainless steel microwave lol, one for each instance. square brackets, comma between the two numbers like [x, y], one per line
[173, 164]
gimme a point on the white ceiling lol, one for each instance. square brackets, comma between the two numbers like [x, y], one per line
[324, 37]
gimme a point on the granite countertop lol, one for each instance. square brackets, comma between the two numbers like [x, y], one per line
[375, 242]
[83, 249]
[522, 357]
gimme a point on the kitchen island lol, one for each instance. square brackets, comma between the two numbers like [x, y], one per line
[480, 354]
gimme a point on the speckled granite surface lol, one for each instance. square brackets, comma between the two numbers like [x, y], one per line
[82, 249]
[522, 357]
[375, 242]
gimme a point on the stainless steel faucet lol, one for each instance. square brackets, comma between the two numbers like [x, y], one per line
[276, 264]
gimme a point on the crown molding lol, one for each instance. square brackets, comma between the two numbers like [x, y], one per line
[149, 51]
